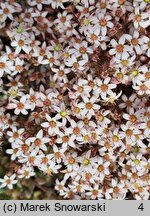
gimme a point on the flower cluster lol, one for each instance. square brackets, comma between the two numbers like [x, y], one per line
[74, 95]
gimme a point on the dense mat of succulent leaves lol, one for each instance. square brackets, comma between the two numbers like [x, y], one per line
[74, 97]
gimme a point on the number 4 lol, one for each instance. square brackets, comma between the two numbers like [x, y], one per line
[141, 207]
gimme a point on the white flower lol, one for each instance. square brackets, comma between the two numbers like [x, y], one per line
[81, 49]
[82, 88]
[135, 42]
[15, 135]
[102, 169]
[70, 161]
[26, 172]
[118, 190]
[20, 106]
[94, 192]
[102, 23]
[8, 181]
[138, 162]
[52, 125]
[129, 133]
[38, 142]
[62, 113]
[66, 139]
[120, 50]
[5, 65]
[21, 43]
[64, 20]
[89, 105]
[76, 64]
[6, 10]
[140, 19]
[103, 87]
[57, 155]
[145, 44]
[37, 3]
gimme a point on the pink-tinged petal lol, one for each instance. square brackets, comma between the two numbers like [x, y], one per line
[110, 24]
[40, 134]
[25, 112]
[48, 117]
[17, 111]
[11, 106]
[45, 124]
[96, 106]
[112, 52]
[113, 43]
[104, 31]
[44, 148]
[45, 140]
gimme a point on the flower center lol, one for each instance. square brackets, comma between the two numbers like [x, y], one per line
[95, 192]
[6, 10]
[138, 18]
[60, 73]
[94, 37]
[75, 65]
[15, 135]
[143, 88]
[100, 168]
[32, 98]
[18, 68]
[21, 43]
[133, 118]
[80, 89]
[88, 176]
[2, 65]
[57, 155]
[24, 147]
[102, 22]
[31, 159]
[124, 63]
[37, 142]
[128, 103]
[136, 149]
[101, 118]
[8, 181]
[121, 2]
[86, 162]
[148, 124]
[103, 5]
[129, 132]
[86, 22]
[76, 131]
[135, 73]
[147, 75]
[104, 87]
[116, 190]
[136, 162]
[120, 75]
[71, 160]
[51, 60]
[89, 106]
[52, 124]
[63, 19]
[65, 139]
[20, 106]
[63, 114]
[115, 138]
[47, 102]
[44, 160]
[26, 173]
[82, 50]
[119, 48]
[134, 41]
